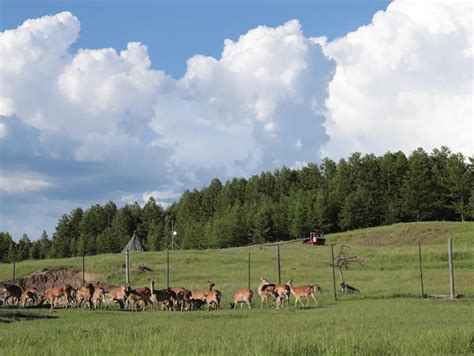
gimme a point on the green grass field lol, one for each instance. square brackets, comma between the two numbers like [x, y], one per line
[388, 317]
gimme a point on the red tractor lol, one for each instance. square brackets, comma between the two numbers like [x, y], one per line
[315, 238]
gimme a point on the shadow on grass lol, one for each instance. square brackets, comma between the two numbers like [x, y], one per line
[9, 317]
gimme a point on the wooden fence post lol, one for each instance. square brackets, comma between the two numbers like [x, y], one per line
[83, 269]
[249, 273]
[14, 269]
[333, 272]
[278, 264]
[452, 293]
[421, 270]
[127, 269]
[167, 268]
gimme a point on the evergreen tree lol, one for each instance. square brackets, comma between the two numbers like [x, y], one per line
[5, 242]
[23, 248]
[418, 198]
[45, 245]
[60, 246]
[35, 250]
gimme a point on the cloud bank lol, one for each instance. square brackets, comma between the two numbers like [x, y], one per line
[99, 124]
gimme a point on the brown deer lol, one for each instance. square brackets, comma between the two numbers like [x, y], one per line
[29, 296]
[85, 294]
[13, 292]
[198, 298]
[52, 295]
[166, 296]
[118, 294]
[135, 299]
[183, 295]
[98, 298]
[283, 291]
[304, 291]
[242, 296]
[213, 297]
[265, 290]
[68, 294]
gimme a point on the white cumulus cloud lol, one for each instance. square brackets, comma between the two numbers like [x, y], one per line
[404, 81]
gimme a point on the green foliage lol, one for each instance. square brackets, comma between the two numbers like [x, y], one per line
[359, 192]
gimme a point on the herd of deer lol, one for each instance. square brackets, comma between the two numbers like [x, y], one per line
[179, 298]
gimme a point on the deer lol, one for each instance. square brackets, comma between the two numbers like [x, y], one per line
[198, 298]
[68, 294]
[283, 291]
[167, 296]
[12, 292]
[242, 296]
[265, 290]
[135, 298]
[183, 296]
[304, 291]
[118, 294]
[29, 296]
[52, 295]
[98, 298]
[85, 293]
[213, 297]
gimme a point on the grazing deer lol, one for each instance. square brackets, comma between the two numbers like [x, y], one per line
[265, 290]
[213, 297]
[166, 296]
[52, 296]
[183, 298]
[304, 291]
[85, 294]
[118, 295]
[29, 296]
[242, 296]
[12, 292]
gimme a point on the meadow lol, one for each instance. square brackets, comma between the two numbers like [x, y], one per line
[387, 317]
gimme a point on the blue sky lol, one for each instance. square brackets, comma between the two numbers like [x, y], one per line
[127, 100]
[176, 30]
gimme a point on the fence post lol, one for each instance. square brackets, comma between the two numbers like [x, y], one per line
[167, 268]
[14, 269]
[278, 264]
[83, 269]
[333, 272]
[249, 273]
[421, 270]
[127, 269]
[452, 293]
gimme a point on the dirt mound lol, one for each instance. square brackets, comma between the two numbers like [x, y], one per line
[50, 278]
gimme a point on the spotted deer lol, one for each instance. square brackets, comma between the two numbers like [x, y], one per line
[242, 296]
[305, 291]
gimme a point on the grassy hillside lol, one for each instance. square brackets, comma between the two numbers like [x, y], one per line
[390, 254]
[376, 322]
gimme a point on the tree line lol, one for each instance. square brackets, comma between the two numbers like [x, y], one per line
[359, 192]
